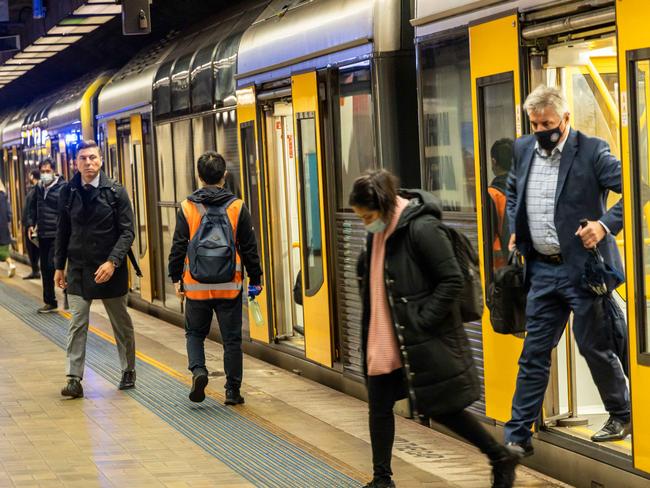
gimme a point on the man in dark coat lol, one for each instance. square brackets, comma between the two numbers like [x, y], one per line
[559, 177]
[44, 217]
[94, 236]
[32, 249]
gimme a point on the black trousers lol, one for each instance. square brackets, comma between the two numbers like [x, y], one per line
[383, 392]
[46, 249]
[32, 251]
[198, 318]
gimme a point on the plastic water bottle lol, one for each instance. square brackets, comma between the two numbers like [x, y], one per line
[257, 312]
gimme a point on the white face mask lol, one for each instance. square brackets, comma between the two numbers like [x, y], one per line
[376, 226]
[47, 178]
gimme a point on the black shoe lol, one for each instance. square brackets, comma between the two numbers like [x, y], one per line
[47, 308]
[73, 388]
[503, 469]
[613, 430]
[128, 380]
[380, 483]
[32, 276]
[521, 449]
[233, 397]
[199, 382]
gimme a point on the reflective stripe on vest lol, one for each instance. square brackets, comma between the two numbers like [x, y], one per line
[195, 290]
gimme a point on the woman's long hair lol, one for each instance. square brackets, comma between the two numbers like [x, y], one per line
[375, 190]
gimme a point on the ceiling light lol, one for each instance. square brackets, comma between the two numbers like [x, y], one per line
[47, 40]
[33, 55]
[72, 29]
[43, 48]
[105, 9]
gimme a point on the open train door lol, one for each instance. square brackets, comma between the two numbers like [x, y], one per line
[496, 102]
[311, 205]
[253, 194]
[632, 19]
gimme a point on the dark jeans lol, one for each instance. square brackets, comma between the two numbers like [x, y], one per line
[198, 317]
[551, 298]
[46, 249]
[32, 251]
[383, 391]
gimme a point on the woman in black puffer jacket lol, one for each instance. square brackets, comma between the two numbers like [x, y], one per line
[414, 343]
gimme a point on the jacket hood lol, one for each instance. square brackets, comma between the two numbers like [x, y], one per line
[211, 195]
[421, 203]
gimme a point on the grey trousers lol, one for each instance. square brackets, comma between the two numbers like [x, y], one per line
[78, 333]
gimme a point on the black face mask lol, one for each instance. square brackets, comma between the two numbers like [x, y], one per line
[548, 139]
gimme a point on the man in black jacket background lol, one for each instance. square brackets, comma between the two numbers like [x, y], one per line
[32, 249]
[94, 236]
[44, 215]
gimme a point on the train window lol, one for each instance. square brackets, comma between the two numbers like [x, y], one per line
[165, 163]
[180, 85]
[226, 131]
[202, 80]
[225, 61]
[640, 132]
[203, 134]
[138, 190]
[249, 152]
[356, 140]
[447, 129]
[496, 106]
[310, 194]
[183, 162]
[113, 163]
[161, 90]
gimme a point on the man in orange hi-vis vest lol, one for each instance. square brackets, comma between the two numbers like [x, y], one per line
[203, 215]
[501, 157]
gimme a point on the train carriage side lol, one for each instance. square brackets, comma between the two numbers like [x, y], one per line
[319, 101]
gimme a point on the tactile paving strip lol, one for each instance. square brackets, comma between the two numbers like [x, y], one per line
[258, 455]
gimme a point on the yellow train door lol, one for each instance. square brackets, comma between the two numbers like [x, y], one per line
[632, 19]
[496, 102]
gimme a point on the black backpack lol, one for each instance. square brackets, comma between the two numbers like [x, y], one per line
[211, 252]
[506, 297]
[471, 302]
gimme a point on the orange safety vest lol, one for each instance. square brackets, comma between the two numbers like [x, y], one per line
[500, 200]
[195, 290]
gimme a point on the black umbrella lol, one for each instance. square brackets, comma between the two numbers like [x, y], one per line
[598, 276]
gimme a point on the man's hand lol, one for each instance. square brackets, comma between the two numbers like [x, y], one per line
[179, 290]
[254, 290]
[59, 279]
[591, 234]
[511, 244]
[104, 272]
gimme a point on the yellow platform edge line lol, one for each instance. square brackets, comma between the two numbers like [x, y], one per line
[242, 410]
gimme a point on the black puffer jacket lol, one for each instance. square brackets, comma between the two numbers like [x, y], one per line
[5, 220]
[89, 235]
[423, 282]
[45, 209]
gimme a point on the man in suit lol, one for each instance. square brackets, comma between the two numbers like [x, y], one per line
[559, 177]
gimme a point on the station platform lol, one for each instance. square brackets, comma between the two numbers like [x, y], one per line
[292, 432]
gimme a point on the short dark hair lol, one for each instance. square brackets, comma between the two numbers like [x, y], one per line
[87, 144]
[375, 190]
[212, 167]
[45, 162]
[36, 174]
[501, 151]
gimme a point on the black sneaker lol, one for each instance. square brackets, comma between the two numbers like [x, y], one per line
[380, 483]
[199, 382]
[47, 308]
[233, 397]
[73, 388]
[522, 449]
[503, 469]
[128, 380]
[32, 276]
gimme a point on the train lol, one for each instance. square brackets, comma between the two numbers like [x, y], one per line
[301, 97]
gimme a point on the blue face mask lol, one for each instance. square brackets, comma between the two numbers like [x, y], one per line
[376, 226]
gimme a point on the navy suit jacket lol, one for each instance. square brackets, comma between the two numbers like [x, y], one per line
[588, 171]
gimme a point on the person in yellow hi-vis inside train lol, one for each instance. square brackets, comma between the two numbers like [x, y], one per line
[214, 235]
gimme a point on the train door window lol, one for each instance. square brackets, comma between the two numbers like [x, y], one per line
[183, 162]
[226, 134]
[203, 135]
[639, 81]
[138, 199]
[252, 180]
[311, 233]
[355, 135]
[497, 132]
[447, 128]
[113, 163]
